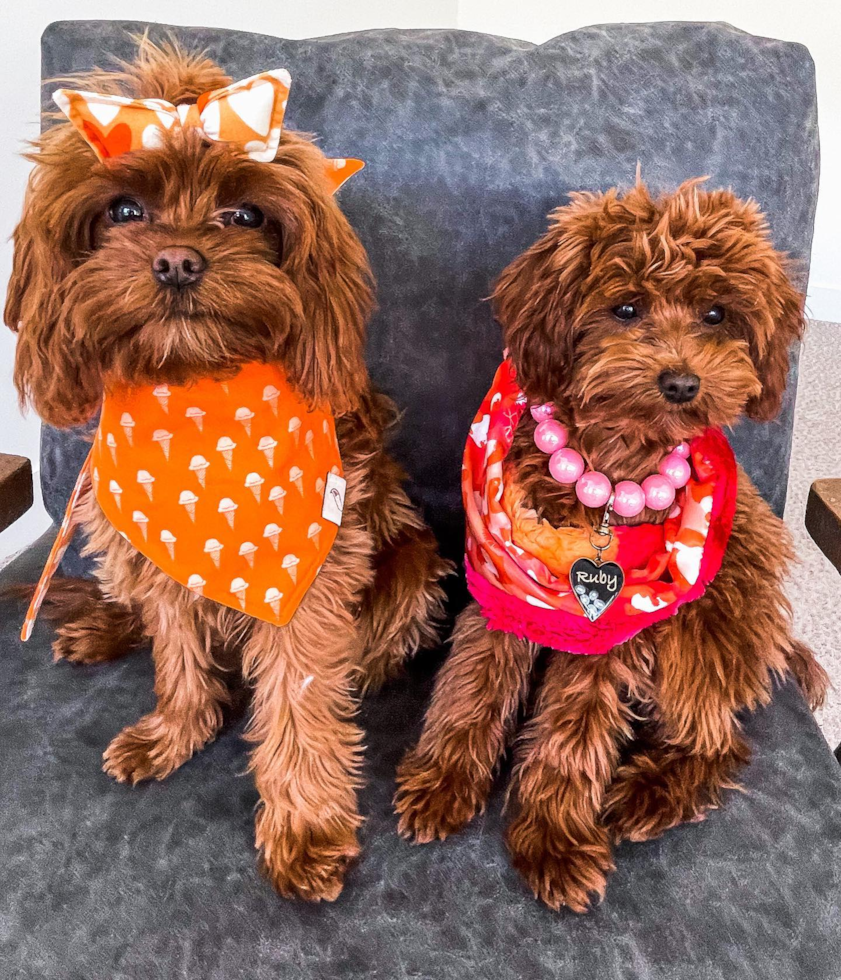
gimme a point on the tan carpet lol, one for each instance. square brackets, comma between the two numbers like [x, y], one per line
[815, 585]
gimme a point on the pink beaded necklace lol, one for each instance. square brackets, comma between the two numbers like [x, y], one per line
[594, 489]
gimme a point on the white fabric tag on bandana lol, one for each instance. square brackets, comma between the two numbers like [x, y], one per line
[334, 498]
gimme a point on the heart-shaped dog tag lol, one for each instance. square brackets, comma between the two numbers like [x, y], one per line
[595, 586]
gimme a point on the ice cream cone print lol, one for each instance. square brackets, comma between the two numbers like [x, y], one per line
[295, 429]
[199, 465]
[276, 495]
[254, 483]
[213, 548]
[267, 446]
[238, 588]
[244, 417]
[270, 395]
[162, 393]
[145, 479]
[255, 541]
[169, 539]
[334, 470]
[272, 532]
[273, 597]
[246, 550]
[313, 533]
[163, 438]
[296, 476]
[127, 422]
[142, 521]
[116, 490]
[290, 563]
[229, 509]
[188, 500]
[226, 446]
[95, 480]
[225, 387]
[197, 415]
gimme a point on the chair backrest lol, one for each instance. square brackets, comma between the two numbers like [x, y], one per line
[470, 141]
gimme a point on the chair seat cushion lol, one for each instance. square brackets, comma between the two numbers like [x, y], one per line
[100, 880]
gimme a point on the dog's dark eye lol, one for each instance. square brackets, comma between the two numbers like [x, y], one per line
[625, 311]
[125, 209]
[247, 216]
[714, 315]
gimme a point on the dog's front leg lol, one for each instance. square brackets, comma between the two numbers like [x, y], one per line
[445, 780]
[190, 693]
[308, 752]
[566, 758]
[705, 673]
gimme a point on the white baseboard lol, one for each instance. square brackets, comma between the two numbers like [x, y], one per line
[823, 303]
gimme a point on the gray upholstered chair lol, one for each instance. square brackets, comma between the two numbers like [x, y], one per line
[470, 141]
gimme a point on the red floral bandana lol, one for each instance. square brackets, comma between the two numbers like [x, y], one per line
[517, 566]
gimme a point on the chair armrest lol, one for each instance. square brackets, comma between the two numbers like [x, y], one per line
[15, 488]
[823, 518]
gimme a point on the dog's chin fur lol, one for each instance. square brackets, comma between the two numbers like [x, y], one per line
[295, 292]
[626, 745]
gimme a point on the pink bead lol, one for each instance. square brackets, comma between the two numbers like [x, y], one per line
[550, 436]
[629, 499]
[676, 470]
[659, 492]
[593, 489]
[566, 465]
[682, 449]
[540, 413]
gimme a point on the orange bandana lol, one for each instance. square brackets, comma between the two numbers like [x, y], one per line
[232, 488]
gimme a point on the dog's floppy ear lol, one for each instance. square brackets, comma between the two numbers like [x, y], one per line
[771, 344]
[51, 370]
[775, 317]
[331, 272]
[535, 297]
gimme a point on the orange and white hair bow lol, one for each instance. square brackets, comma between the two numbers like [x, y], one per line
[247, 113]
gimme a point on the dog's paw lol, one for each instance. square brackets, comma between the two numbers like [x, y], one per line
[433, 802]
[559, 873]
[147, 750]
[644, 802]
[304, 862]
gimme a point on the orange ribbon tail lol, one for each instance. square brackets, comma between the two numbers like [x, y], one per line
[62, 540]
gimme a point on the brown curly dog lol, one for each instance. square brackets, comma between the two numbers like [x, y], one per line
[622, 290]
[291, 285]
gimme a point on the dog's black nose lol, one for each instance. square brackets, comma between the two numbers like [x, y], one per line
[178, 266]
[678, 388]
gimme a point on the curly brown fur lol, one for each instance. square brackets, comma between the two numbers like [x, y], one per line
[297, 292]
[581, 780]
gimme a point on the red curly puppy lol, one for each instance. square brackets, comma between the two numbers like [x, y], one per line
[283, 280]
[644, 322]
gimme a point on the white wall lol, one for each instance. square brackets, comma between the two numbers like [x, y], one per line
[816, 23]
